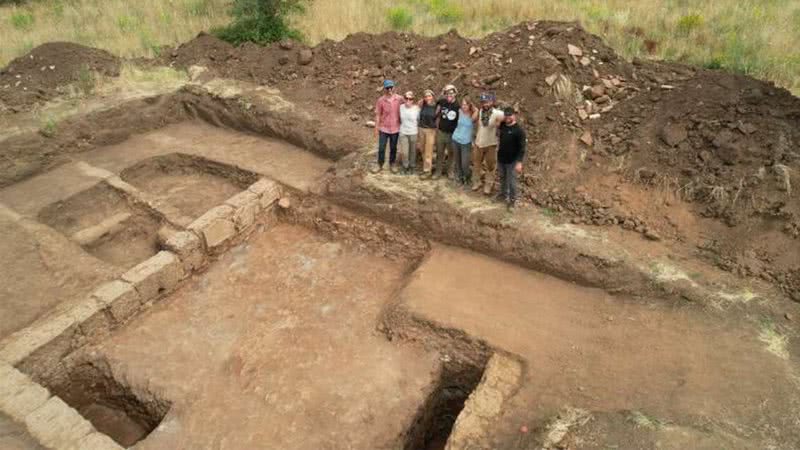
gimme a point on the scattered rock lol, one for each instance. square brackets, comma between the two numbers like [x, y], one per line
[652, 235]
[491, 79]
[586, 138]
[283, 60]
[583, 114]
[285, 203]
[286, 44]
[597, 91]
[746, 128]
[574, 51]
[585, 61]
[305, 56]
[473, 50]
[551, 79]
[673, 134]
[370, 124]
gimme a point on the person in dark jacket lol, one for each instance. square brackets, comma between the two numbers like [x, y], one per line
[510, 154]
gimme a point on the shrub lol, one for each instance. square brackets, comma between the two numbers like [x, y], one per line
[261, 21]
[689, 23]
[400, 18]
[22, 20]
[445, 12]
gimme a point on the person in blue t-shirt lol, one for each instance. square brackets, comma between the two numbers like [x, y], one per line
[462, 141]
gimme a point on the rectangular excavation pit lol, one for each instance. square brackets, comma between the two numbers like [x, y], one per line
[107, 224]
[190, 184]
[125, 414]
[438, 414]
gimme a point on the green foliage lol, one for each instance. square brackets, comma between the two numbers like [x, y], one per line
[49, 128]
[445, 11]
[127, 23]
[22, 20]
[261, 21]
[400, 18]
[86, 80]
[149, 43]
[689, 23]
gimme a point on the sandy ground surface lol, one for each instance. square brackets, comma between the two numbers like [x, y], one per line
[47, 270]
[588, 349]
[276, 159]
[277, 341]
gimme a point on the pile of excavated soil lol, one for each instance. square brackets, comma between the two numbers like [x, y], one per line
[36, 76]
[703, 158]
[670, 151]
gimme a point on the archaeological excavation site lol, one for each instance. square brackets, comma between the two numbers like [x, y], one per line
[197, 256]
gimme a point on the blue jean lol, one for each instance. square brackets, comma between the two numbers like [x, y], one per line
[508, 181]
[462, 160]
[382, 138]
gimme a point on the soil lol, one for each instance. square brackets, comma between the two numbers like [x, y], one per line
[262, 337]
[42, 73]
[646, 179]
[605, 353]
[702, 172]
[105, 223]
[191, 185]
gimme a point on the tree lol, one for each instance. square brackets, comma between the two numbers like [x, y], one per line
[261, 21]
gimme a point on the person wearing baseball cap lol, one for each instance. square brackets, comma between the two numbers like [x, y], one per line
[485, 153]
[387, 125]
[510, 153]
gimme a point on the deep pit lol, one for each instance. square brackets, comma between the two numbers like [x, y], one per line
[436, 418]
[115, 409]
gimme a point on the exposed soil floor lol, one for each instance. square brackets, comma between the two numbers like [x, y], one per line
[276, 159]
[104, 223]
[591, 350]
[42, 270]
[275, 347]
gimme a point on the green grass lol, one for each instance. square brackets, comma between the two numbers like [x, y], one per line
[22, 20]
[399, 18]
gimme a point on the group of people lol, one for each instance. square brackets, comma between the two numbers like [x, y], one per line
[471, 143]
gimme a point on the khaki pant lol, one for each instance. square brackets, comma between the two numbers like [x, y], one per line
[487, 155]
[427, 136]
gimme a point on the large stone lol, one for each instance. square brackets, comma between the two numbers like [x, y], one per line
[19, 395]
[673, 134]
[268, 191]
[24, 342]
[56, 425]
[246, 206]
[159, 274]
[305, 56]
[189, 249]
[215, 226]
[120, 297]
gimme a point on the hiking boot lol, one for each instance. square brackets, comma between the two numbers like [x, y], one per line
[436, 176]
[487, 190]
[394, 168]
[476, 186]
[511, 205]
[376, 168]
[425, 175]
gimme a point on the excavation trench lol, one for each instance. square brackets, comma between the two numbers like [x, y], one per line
[125, 414]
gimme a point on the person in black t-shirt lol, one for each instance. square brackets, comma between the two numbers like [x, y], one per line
[446, 121]
[510, 153]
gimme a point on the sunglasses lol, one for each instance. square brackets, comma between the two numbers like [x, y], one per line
[409, 98]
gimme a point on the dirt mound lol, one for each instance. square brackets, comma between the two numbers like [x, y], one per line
[36, 76]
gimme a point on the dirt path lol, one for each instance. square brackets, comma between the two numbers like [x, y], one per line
[587, 349]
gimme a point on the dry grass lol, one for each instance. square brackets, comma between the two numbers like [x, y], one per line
[756, 37]
[126, 28]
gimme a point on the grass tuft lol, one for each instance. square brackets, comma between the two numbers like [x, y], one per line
[22, 20]
[399, 18]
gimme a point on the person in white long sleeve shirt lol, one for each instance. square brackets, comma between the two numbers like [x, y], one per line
[409, 120]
